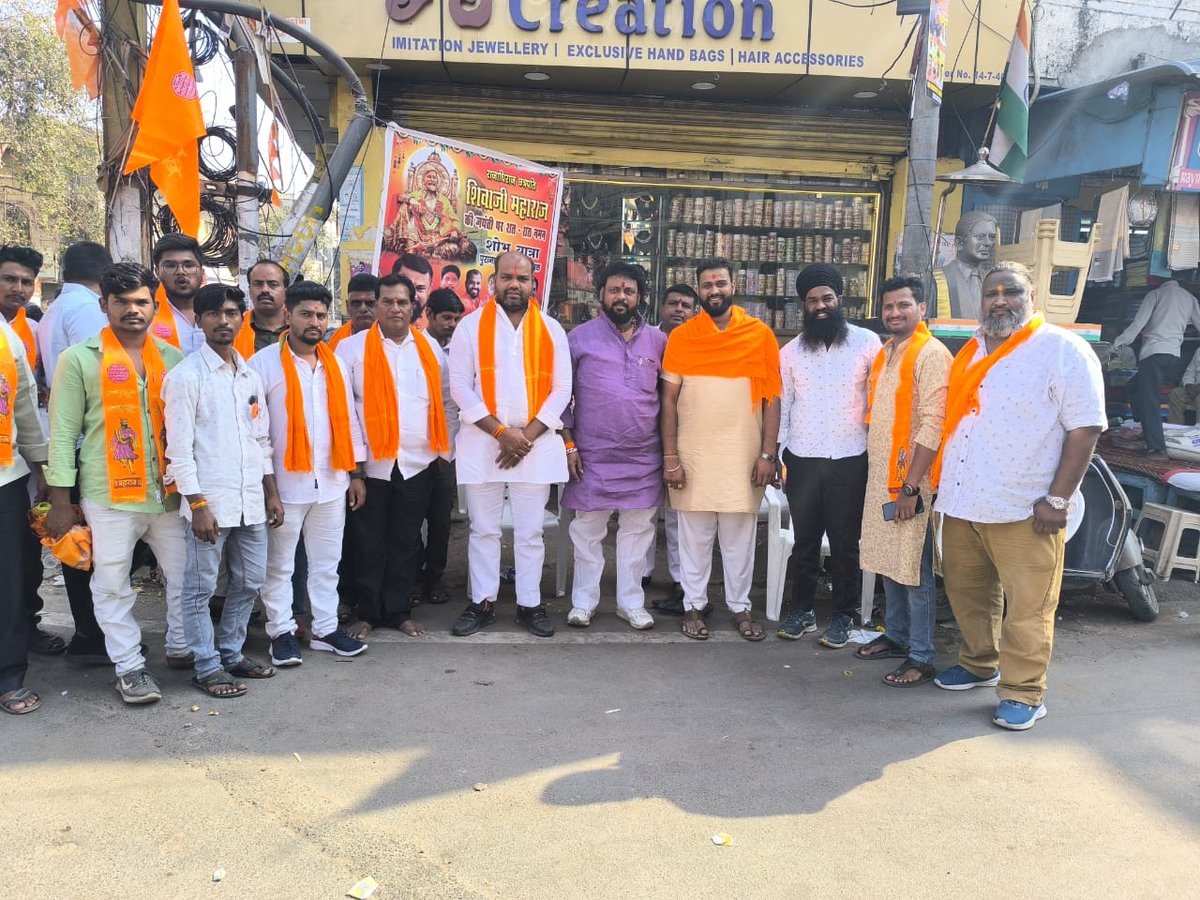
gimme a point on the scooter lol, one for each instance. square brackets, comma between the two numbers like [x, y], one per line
[1102, 545]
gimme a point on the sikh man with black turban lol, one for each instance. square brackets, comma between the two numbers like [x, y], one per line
[823, 440]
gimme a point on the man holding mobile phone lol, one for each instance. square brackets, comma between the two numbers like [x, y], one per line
[906, 404]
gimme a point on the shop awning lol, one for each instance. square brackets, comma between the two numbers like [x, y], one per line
[1127, 121]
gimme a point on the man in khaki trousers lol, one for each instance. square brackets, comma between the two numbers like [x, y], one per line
[1024, 409]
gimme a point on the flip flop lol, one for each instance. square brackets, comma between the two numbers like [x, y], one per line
[894, 650]
[21, 695]
[251, 668]
[209, 683]
[927, 674]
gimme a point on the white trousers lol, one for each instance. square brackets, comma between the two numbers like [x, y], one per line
[735, 532]
[635, 532]
[485, 507]
[671, 526]
[114, 534]
[321, 525]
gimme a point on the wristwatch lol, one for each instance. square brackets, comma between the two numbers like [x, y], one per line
[1059, 503]
[769, 457]
[910, 490]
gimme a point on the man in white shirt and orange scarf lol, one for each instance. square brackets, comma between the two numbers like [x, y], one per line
[720, 424]
[401, 383]
[108, 390]
[906, 403]
[1023, 411]
[318, 454]
[510, 376]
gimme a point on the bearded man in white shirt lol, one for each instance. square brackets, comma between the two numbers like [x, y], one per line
[823, 438]
[510, 376]
[401, 383]
[1023, 411]
[219, 452]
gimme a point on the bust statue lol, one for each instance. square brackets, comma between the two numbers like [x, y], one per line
[960, 282]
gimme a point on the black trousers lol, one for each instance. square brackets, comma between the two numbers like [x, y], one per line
[387, 544]
[431, 561]
[14, 619]
[825, 496]
[1151, 373]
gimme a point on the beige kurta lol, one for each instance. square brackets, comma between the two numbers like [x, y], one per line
[720, 439]
[894, 548]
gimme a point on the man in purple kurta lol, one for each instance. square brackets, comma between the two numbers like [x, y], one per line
[614, 453]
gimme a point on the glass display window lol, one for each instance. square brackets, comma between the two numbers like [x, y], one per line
[767, 234]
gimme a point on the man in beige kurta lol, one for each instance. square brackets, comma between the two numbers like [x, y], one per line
[914, 370]
[720, 421]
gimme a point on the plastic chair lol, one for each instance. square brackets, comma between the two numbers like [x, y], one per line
[1045, 253]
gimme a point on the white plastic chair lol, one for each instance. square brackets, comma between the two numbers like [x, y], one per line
[780, 541]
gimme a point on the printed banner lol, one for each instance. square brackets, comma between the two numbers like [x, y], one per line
[935, 70]
[459, 207]
[1185, 172]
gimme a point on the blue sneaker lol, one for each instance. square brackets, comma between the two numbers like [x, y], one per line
[837, 635]
[1017, 716]
[956, 678]
[285, 651]
[796, 624]
[337, 641]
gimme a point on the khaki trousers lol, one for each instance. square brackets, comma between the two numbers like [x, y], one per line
[982, 565]
[1180, 400]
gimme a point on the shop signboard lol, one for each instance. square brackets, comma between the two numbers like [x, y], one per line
[460, 206]
[781, 38]
[1185, 170]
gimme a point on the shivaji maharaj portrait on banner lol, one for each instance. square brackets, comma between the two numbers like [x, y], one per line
[427, 219]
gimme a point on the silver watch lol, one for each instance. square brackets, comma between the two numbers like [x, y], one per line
[1059, 503]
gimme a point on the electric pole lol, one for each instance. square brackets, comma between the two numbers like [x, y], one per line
[123, 35]
[246, 118]
[922, 167]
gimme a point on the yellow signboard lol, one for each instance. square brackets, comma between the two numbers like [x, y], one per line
[771, 37]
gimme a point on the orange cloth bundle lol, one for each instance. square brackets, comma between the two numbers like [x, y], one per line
[73, 549]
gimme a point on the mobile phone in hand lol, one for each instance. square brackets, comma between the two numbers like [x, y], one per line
[889, 509]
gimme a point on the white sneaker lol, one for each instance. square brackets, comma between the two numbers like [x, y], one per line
[637, 618]
[580, 618]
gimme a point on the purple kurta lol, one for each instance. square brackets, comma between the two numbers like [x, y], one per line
[614, 419]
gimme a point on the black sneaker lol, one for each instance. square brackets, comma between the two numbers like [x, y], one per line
[535, 619]
[474, 617]
[285, 651]
[337, 641]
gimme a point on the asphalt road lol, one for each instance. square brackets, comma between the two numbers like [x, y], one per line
[606, 761]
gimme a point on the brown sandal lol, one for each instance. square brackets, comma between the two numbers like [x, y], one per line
[747, 627]
[697, 631]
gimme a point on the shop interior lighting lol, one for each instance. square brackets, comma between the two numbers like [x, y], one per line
[377, 66]
[536, 76]
[703, 86]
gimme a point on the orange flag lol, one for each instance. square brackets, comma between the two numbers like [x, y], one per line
[170, 122]
[82, 38]
[274, 169]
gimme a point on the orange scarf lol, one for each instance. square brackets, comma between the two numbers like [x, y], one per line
[905, 397]
[20, 324]
[297, 457]
[962, 397]
[380, 407]
[244, 342]
[8, 400]
[162, 326]
[121, 397]
[539, 358]
[340, 335]
[746, 348]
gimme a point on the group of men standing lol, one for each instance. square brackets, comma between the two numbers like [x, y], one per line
[251, 455]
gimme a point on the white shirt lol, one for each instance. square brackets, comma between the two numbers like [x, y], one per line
[999, 463]
[825, 395]
[1161, 320]
[477, 450]
[29, 438]
[412, 400]
[72, 318]
[218, 436]
[191, 335]
[325, 483]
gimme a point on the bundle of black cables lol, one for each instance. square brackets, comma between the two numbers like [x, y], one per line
[220, 247]
[217, 145]
[202, 39]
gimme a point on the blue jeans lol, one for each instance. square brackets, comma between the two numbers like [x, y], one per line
[912, 611]
[245, 550]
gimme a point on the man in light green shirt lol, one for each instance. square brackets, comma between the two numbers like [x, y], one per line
[77, 409]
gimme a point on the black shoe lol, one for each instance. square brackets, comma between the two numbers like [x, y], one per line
[86, 651]
[535, 619]
[474, 617]
[646, 579]
[672, 604]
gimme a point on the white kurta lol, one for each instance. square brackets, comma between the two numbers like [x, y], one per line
[477, 450]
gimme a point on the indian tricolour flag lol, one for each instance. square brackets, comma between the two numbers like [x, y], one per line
[1010, 142]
